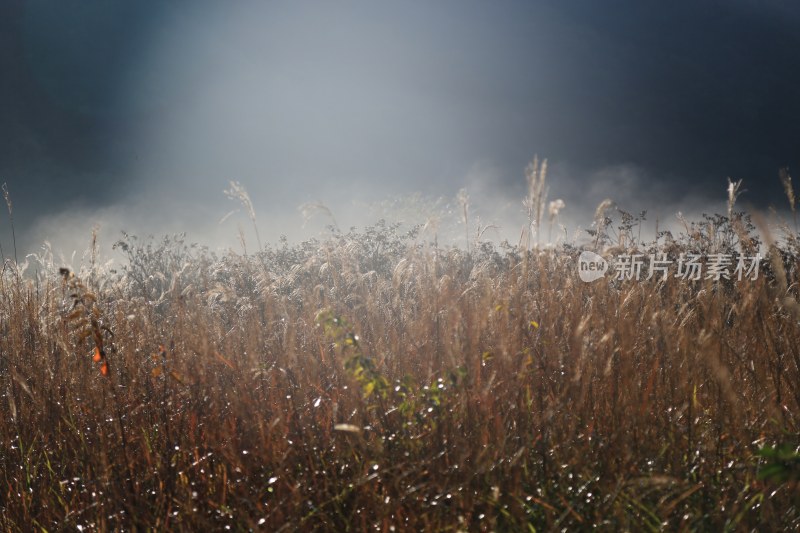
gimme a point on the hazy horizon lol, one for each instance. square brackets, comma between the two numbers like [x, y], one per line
[135, 116]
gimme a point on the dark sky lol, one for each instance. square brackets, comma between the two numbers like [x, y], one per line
[135, 115]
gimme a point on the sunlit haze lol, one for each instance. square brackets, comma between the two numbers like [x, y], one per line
[136, 117]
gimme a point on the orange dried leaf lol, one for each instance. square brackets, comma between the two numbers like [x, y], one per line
[98, 355]
[104, 368]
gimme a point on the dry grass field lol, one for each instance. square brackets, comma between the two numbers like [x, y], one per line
[375, 381]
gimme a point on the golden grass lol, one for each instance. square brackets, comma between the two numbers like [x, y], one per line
[368, 382]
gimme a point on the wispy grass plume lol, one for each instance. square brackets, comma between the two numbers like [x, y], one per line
[238, 192]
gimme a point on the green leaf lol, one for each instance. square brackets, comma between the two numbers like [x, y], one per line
[368, 388]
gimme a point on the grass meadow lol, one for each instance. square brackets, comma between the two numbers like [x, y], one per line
[374, 380]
